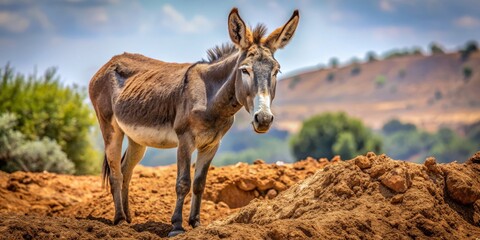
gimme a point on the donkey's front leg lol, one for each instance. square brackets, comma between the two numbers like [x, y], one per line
[204, 159]
[184, 154]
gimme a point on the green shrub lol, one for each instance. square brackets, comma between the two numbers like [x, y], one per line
[321, 133]
[345, 145]
[355, 70]
[371, 57]
[467, 73]
[435, 48]
[17, 153]
[334, 62]
[47, 109]
[395, 125]
[380, 81]
[294, 82]
[331, 77]
[470, 47]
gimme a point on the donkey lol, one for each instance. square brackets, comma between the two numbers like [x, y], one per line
[188, 106]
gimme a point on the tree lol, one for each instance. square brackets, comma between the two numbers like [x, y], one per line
[395, 125]
[372, 56]
[467, 73]
[470, 47]
[47, 109]
[345, 145]
[321, 133]
[334, 62]
[435, 48]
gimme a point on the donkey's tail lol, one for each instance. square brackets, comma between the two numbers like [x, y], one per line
[106, 170]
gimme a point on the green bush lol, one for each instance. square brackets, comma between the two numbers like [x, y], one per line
[380, 81]
[345, 145]
[17, 153]
[371, 57]
[331, 77]
[334, 62]
[355, 70]
[46, 108]
[395, 125]
[294, 82]
[329, 134]
[406, 142]
[435, 48]
[467, 72]
[470, 47]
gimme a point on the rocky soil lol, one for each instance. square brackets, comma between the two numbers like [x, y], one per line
[369, 197]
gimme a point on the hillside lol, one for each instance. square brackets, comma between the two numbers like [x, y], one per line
[369, 197]
[428, 91]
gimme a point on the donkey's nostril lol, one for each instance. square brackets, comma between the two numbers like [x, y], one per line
[256, 118]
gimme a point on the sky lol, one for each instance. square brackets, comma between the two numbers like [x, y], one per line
[79, 36]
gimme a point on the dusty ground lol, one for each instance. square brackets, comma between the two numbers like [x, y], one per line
[369, 197]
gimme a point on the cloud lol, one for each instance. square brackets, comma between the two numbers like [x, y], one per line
[177, 22]
[13, 22]
[386, 6]
[392, 32]
[467, 22]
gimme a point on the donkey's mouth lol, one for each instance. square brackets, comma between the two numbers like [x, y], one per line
[260, 130]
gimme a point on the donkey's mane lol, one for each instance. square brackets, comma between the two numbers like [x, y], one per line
[259, 32]
[218, 53]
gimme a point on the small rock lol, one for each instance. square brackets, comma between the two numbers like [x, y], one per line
[323, 160]
[459, 189]
[431, 164]
[397, 180]
[336, 159]
[397, 199]
[362, 162]
[256, 193]
[271, 193]
[311, 159]
[246, 184]
[258, 162]
[222, 204]
[286, 180]
[371, 155]
[263, 185]
[279, 186]
[475, 158]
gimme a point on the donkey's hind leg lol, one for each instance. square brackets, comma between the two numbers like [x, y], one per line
[113, 150]
[133, 155]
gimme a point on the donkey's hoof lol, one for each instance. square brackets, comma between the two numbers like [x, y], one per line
[119, 219]
[175, 232]
[194, 223]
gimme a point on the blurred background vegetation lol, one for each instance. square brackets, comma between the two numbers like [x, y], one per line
[45, 125]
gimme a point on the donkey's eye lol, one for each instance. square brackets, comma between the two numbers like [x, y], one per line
[245, 71]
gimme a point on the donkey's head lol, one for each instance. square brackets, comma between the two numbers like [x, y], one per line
[257, 71]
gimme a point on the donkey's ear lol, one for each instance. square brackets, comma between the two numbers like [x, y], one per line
[282, 35]
[239, 33]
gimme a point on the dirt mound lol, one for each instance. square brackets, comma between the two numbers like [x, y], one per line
[367, 197]
[46, 205]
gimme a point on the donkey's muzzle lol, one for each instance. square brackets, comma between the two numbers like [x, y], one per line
[262, 121]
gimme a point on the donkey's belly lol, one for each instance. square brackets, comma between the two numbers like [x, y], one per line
[158, 137]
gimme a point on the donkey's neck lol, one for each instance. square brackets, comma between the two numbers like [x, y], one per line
[223, 75]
